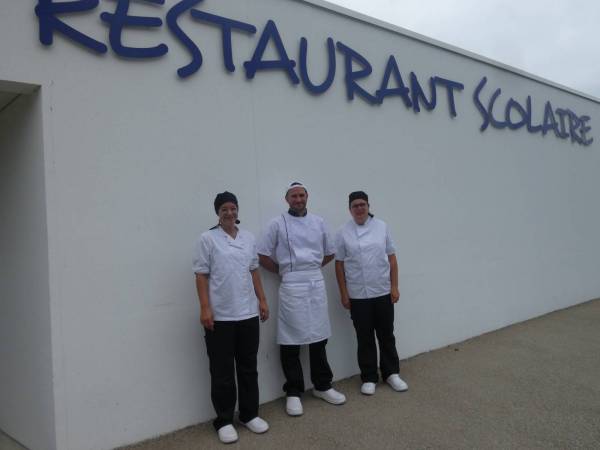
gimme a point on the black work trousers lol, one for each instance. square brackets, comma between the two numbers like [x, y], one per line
[320, 372]
[232, 347]
[375, 316]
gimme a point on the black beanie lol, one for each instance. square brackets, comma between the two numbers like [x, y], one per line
[224, 197]
[356, 195]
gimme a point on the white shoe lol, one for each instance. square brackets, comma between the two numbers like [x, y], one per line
[257, 425]
[397, 383]
[331, 396]
[367, 388]
[227, 434]
[293, 406]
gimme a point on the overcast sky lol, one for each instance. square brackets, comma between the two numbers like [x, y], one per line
[556, 40]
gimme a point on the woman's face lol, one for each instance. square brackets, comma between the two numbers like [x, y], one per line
[359, 209]
[228, 214]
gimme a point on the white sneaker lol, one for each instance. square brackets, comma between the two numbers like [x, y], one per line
[397, 383]
[293, 406]
[367, 388]
[257, 425]
[331, 396]
[227, 434]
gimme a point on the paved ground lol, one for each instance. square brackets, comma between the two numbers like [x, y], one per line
[534, 385]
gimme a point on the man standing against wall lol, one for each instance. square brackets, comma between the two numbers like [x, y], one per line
[296, 245]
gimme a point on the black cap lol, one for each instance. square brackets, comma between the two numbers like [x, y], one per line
[224, 197]
[357, 195]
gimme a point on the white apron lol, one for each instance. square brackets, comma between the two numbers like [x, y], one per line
[303, 312]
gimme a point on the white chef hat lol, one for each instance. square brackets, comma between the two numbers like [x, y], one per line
[295, 184]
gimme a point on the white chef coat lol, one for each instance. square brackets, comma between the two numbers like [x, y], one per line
[364, 249]
[228, 263]
[298, 245]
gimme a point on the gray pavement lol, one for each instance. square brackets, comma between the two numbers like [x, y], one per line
[534, 385]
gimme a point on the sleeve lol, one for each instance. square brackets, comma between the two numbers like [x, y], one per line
[201, 261]
[268, 240]
[390, 248]
[328, 243]
[254, 255]
[340, 246]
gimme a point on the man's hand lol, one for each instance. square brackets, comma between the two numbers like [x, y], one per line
[207, 318]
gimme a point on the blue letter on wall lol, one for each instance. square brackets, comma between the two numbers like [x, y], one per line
[418, 94]
[120, 19]
[384, 91]
[450, 86]
[226, 26]
[46, 10]
[283, 63]
[172, 17]
[351, 75]
[317, 88]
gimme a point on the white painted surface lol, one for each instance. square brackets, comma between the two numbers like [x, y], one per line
[26, 397]
[492, 228]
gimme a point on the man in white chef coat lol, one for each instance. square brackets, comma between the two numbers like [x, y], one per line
[295, 245]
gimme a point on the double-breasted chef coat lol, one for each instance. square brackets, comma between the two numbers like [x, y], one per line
[228, 263]
[298, 245]
[365, 249]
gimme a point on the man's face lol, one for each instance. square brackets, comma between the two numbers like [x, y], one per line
[297, 198]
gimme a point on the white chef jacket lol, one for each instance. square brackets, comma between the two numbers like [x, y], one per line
[298, 245]
[228, 263]
[364, 249]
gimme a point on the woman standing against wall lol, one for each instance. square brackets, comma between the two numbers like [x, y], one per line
[231, 301]
[367, 274]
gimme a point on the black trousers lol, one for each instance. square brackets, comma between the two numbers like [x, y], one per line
[370, 317]
[320, 372]
[232, 348]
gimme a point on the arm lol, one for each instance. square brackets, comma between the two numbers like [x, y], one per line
[326, 260]
[268, 263]
[260, 294]
[341, 280]
[395, 293]
[206, 314]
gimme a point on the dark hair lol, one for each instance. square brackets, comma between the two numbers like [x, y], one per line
[358, 195]
[225, 197]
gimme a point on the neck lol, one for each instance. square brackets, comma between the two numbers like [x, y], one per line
[362, 221]
[231, 229]
[293, 212]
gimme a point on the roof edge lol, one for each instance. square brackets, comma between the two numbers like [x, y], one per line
[323, 4]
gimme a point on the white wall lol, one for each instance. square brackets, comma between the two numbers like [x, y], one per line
[492, 228]
[26, 397]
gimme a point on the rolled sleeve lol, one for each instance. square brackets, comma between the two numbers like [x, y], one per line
[340, 247]
[328, 244]
[201, 259]
[268, 240]
[254, 259]
[390, 248]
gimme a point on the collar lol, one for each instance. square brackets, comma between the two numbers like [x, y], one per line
[293, 213]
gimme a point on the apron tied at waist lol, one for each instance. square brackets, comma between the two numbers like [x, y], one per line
[302, 276]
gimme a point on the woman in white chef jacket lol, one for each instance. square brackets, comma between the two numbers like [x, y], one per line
[231, 301]
[367, 274]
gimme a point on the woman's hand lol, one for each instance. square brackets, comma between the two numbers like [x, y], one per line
[345, 301]
[264, 310]
[395, 294]
[207, 318]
